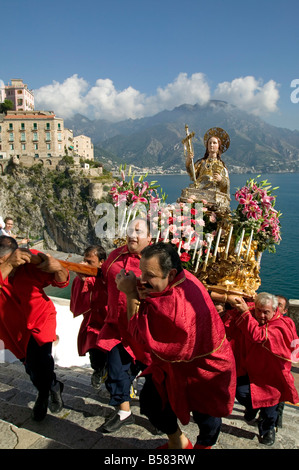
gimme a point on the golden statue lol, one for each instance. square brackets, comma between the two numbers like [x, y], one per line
[209, 174]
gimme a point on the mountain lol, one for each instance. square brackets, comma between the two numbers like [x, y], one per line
[155, 141]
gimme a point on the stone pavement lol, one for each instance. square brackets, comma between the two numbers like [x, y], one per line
[85, 409]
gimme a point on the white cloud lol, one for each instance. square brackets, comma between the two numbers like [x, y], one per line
[65, 99]
[104, 101]
[250, 94]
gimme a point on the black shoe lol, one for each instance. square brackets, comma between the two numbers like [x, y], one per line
[98, 378]
[40, 408]
[56, 403]
[114, 423]
[268, 439]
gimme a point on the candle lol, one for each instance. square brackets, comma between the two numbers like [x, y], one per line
[179, 248]
[127, 222]
[198, 259]
[166, 234]
[240, 243]
[158, 236]
[228, 241]
[208, 252]
[190, 236]
[195, 248]
[249, 244]
[217, 244]
[122, 222]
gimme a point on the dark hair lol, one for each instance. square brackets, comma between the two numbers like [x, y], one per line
[7, 218]
[99, 250]
[285, 299]
[7, 245]
[168, 256]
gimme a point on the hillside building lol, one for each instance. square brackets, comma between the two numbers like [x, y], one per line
[84, 147]
[31, 137]
[19, 94]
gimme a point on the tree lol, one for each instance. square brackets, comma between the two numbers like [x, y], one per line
[7, 105]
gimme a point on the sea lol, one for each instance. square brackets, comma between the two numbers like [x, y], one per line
[279, 271]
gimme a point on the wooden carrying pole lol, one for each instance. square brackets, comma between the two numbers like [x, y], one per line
[74, 267]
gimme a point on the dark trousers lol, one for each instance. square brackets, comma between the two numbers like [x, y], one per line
[120, 375]
[165, 420]
[39, 364]
[268, 415]
[98, 359]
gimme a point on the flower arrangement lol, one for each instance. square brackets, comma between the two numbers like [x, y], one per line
[182, 224]
[134, 192]
[255, 212]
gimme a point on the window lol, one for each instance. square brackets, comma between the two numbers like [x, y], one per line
[59, 146]
[48, 155]
[11, 137]
[59, 126]
[23, 137]
[34, 125]
[22, 125]
[48, 146]
[35, 146]
[36, 155]
[10, 126]
[59, 136]
[48, 136]
[35, 136]
[11, 147]
[48, 125]
[23, 146]
[20, 102]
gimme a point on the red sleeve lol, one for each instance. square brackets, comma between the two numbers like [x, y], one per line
[80, 296]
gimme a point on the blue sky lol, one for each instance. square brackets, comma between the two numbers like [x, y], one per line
[133, 58]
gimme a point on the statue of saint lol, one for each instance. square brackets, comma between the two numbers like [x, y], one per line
[209, 174]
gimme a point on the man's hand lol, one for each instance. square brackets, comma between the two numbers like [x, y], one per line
[18, 257]
[11, 261]
[238, 303]
[126, 282]
[49, 264]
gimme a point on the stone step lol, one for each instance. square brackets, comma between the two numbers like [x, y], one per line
[85, 410]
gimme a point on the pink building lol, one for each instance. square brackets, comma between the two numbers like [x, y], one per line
[21, 97]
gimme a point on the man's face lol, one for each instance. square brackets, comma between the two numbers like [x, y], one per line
[152, 275]
[137, 236]
[92, 259]
[282, 307]
[264, 313]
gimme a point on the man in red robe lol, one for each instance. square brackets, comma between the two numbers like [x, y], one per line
[114, 337]
[192, 366]
[28, 317]
[89, 298]
[264, 342]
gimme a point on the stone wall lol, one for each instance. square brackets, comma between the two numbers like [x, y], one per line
[294, 312]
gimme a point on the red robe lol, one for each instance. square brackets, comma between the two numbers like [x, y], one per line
[265, 354]
[115, 329]
[88, 298]
[26, 310]
[193, 365]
